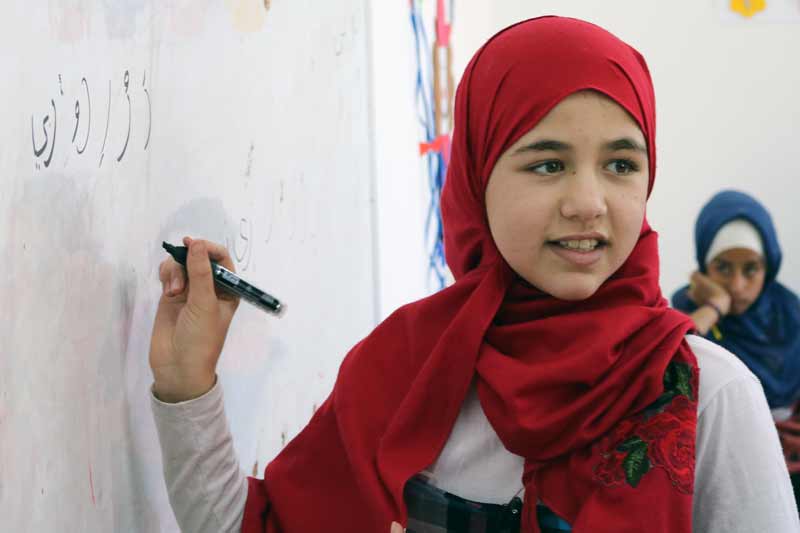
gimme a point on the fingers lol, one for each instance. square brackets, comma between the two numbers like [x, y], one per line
[699, 285]
[793, 466]
[202, 294]
[692, 293]
[698, 280]
[789, 425]
[172, 277]
[790, 442]
[218, 253]
[694, 281]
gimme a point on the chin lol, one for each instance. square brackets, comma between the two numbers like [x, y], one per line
[739, 310]
[573, 291]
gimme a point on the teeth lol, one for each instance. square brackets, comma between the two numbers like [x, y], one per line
[583, 245]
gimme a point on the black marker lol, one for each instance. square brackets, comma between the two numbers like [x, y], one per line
[230, 281]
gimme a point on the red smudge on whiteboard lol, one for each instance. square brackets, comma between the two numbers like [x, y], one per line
[91, 484]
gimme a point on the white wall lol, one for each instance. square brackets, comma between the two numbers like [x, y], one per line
[400, 181]
[727, 104]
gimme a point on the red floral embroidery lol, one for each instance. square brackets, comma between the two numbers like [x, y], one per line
[610, 471]
[675, 453]
[663, 436]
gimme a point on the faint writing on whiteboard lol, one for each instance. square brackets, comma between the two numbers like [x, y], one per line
[242, 243]
[44, 128]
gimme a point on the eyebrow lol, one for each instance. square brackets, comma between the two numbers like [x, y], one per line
[544, 146]
[550, 145]
[626, 143]
[747, 264]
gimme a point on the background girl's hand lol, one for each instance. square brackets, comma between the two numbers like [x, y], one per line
[191, 323]
[703, 290]
[789, 432]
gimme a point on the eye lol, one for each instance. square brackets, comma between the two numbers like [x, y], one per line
[723, 268]
[548, 167]
[622, 167]
[752, 270]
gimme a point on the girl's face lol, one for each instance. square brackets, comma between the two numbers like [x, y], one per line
[742, 272]
[566, 203]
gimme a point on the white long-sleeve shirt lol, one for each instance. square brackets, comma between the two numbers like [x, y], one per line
[741, 481]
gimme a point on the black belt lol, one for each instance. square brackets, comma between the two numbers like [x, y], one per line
[431, 510]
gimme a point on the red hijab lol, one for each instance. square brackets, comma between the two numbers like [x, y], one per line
[599, 396]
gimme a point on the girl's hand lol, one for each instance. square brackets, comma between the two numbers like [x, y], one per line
[789, 432]
[191, 323]
[703, 290]
[396, 528]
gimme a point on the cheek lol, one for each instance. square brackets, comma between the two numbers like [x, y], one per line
[717, 278]
[758, 285]
[629, 214]
[518, 222]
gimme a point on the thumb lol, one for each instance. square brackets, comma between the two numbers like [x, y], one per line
[201, 283]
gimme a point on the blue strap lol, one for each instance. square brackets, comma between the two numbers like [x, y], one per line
[550, 522]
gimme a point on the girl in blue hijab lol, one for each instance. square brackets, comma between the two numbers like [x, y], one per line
[736, 301]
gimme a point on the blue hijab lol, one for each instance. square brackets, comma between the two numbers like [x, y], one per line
[767, 336]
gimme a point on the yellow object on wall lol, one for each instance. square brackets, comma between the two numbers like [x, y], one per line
[748, 8]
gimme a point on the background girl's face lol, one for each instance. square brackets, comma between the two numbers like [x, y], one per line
[566, 202]
[741, 272]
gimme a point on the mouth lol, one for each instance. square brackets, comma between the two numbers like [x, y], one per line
[579, 250]
[740, 304]
[580, 245]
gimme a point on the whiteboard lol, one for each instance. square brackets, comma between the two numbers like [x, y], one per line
[129, 122]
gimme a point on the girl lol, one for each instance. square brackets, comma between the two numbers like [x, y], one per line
[736, 301]
[550, 388]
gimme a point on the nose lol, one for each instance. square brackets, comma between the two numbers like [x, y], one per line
[737, 284]
[583, 198]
